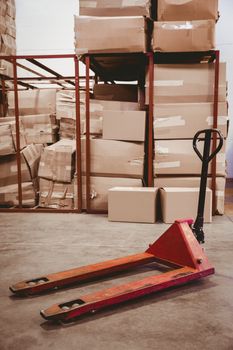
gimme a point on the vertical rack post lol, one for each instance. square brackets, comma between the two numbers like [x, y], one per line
[17, 128]
[78, 137]
[215, 126]
[87, 100]
[4, 102]
[150, 122]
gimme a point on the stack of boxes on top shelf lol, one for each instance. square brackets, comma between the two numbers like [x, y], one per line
[183, 104]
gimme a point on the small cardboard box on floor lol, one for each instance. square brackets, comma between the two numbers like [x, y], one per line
[175, 83]
[187, 10]
[183, 120]
[111, 34]
[191, 181]
[56, 195]
[114, 8]
[177, 157]
[9, 195]
[181, 203]
[184, 36]
[129, 204]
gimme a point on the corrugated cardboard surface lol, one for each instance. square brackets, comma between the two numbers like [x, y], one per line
[117, 158]
[184, 36]
[195, 182]
[40, 128]
[114, 8]
[183, 120]
[178, 157]
[10, 121]
[6, 68]
[181, 10]
[7, 45]
[56, 195]
[6, 140]
[58, 161]
[187, 83]
[99, 187]
[31, 102]
[8, 170]
[124, 125]
[9, 195]
[110, 34]
[132, 204]
[181, 203]
[116, 92]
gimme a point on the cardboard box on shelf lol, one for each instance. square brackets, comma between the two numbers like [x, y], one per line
[181, 203]
[183, 120]
[10, 121]
[32, 154]
[187, 10]
[6, 68]
[9, 195]
[195, 182]
[175, 157]
[40, 128]
[114, 8]
[6, 140]
[118, 158]
[7, 45]
[116, 92]
[175, 83]
[99, 187]
[9, 170]
[130, 204]
[112, 34]
[31, 102]
[124, 125]
[7, 26]
[58, 161]
[56, 195]
[184, 36]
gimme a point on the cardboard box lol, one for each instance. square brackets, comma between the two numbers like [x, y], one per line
[184, 36]
[99, 187]
[188, 202]
[6, 140]
[40, 128]
[7, 45]
[179, 83]
[116, 92]
[58, 161]
[32, 102]
[111, 34]
[114, 8]
[56, 195]
[124, 125]
[6, 68]
[116, 158]
[187, 10]
[32, 154]
[130, 204]
[175, 157]
[10, 122]
[183, 120]
[195, 182]
[8, 170]
[9, 195]
[7, 26]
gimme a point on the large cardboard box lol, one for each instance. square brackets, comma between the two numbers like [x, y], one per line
[181, 203]
[195, 182]
[31, 102]
[183, 120]
[9, 195]
[174, 83]
[116, 92]
[10, 122]
[58, 161]
[118, 158]
[184, 36]
[40, 128]
[130, 204]
[99, 187]
[111, 34]
[6, 140]
[124, 125]
[187, 10]
[114, 8]
[175, 157]
[56, 195]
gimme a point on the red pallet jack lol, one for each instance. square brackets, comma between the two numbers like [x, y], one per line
[178, 248]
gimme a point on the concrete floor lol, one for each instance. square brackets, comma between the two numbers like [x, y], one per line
[195, 316]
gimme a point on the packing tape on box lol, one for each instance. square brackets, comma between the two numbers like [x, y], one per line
[168, 83]
[161, 150]
[169, 121]
[220, 193]
[164, 165]
[138, 161]
[222, 120]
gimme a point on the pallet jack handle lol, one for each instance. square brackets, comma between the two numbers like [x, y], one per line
[205, 158]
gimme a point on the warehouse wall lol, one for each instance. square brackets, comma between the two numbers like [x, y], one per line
[45, 27]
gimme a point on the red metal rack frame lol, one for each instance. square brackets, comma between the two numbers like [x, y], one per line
[13, 60]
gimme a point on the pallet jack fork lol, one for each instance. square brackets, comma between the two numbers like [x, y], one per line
[178, 248]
